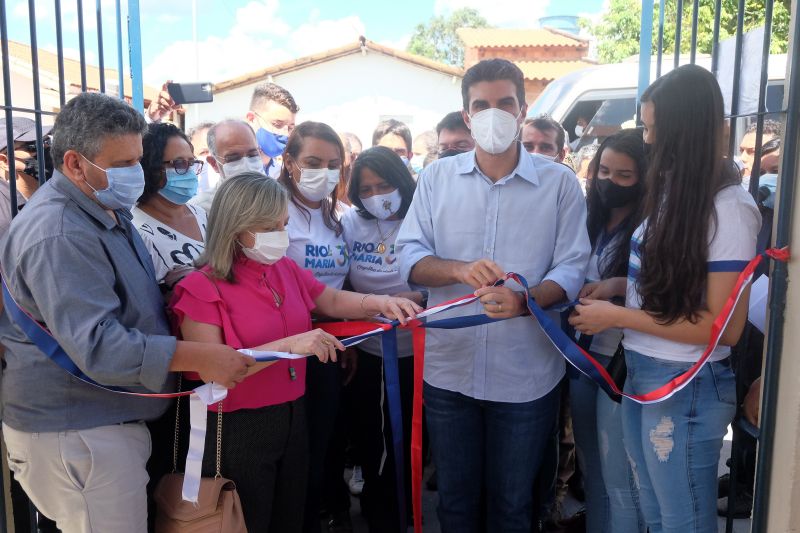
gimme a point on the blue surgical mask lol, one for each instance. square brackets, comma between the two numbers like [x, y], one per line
[180, 188]
[767, 185]
[272, 144]
[417, 163]
[125, 186]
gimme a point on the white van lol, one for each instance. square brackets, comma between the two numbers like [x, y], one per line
[606, 96]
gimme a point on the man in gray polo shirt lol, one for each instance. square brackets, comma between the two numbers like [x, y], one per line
[74, 262]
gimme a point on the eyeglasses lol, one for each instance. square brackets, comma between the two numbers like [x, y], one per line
[232, 158]
[182, 166]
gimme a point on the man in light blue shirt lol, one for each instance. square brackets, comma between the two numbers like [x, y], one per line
[491, 391]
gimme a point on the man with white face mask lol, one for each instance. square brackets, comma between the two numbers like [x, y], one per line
[491, 391]
[232, 150]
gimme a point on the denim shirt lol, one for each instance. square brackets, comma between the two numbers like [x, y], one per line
[532, 222]
[90, 280]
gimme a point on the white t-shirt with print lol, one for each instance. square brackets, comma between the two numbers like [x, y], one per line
[373, 272]
[169, 249]
[732, 244]
[315, 247]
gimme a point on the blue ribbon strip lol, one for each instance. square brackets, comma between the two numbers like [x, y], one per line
[392, 380]
[43, 340]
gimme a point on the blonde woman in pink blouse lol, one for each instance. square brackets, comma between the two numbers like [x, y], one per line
[247, 294]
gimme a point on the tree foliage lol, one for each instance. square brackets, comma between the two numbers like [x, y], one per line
[437, 38]
[619, 28]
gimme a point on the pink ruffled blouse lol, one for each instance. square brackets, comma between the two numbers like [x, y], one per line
[251, 314]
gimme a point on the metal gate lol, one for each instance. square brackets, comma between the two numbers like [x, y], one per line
[674, 14]
[22, 59]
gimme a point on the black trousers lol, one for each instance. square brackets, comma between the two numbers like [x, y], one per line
[323, 393]
[265, 452]
[379, 498]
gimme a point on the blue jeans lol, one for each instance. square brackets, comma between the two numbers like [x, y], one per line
[491, 449]
[674, 445]
[611, 499]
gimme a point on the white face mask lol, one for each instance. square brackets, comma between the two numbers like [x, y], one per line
[578, 130]
[382, 206]
[545, 156]
[269, 247]
[494, 129]
[317, 183]
[245, 164]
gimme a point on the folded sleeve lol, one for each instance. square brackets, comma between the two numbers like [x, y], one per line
[572, 250]
[415, 240]
[195, 297]
[732, 243]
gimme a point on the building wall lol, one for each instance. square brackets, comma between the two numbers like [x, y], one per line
[353, 93]
[533, 88]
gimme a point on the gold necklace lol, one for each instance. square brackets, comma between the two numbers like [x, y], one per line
[381, 245]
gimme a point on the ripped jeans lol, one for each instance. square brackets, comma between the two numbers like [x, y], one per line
[611, 500]
[674, 445]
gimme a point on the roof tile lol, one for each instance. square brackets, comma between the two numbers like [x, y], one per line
[503, 37]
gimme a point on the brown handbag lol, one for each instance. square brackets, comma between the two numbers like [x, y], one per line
[218, 509]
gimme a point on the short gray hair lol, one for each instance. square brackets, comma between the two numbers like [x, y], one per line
[198, 128]
[211, 136]
[242, 202]
[89, 118]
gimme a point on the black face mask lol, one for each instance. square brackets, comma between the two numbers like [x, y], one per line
[31, 168]
[450, 153]
[613, 195]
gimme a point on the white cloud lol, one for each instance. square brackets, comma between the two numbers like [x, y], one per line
[398, 44]
[259, 38]
[20, 11]
[260, 17]
[504, 13]
[318, 35]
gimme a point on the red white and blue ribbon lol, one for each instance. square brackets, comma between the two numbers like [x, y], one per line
[356, 332]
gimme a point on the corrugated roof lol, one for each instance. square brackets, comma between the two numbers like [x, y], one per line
[502, 38]
[335, 53]
[550, 70]
[48, 62]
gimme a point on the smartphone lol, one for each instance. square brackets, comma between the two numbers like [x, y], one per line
[191, 93]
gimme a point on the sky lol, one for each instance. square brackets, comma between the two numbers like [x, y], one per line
[240, 36]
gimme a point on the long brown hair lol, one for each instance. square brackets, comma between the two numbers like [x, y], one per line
[294, 146]
[686, 170]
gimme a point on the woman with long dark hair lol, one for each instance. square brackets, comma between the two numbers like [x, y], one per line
[699, 232]
[614, 201]
[381, 189]
[311, 172]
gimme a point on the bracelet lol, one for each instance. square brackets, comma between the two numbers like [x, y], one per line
[363, 298]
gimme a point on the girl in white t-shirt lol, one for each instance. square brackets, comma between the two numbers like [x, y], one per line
[173, 231]
[613, 201]
[311, 171]
[381, 189]
[699, 232]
